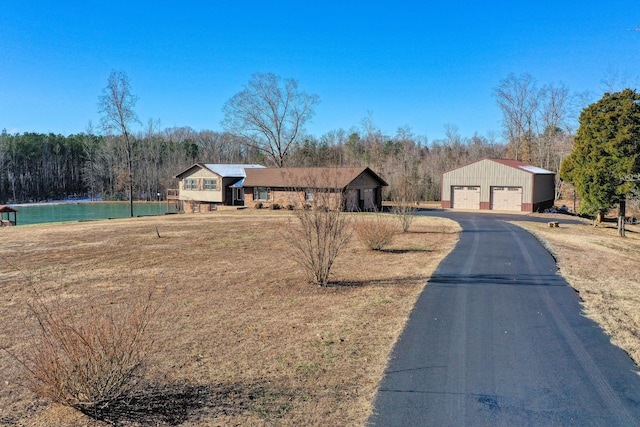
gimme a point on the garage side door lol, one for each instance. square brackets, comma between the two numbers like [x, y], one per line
[506, 198]
[465, 197]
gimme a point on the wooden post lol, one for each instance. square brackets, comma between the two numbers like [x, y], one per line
[622, 208]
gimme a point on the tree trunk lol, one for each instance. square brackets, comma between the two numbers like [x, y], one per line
[129, 170]
[621, 214]
[598, 219]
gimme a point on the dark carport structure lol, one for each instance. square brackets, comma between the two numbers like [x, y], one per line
[5, 215]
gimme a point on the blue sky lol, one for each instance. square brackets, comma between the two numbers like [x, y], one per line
[421, 64]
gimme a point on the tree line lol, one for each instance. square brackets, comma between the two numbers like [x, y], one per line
[264, 123]
[44, 167]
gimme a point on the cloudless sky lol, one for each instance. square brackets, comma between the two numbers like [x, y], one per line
[421, 64]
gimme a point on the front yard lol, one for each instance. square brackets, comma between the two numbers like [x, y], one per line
[241, 338]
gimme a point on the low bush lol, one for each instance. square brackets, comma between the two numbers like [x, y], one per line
[92, 360]
[258, 205]
[375, 231]
[275, 206]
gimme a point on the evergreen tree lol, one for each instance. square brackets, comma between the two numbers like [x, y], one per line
[606, 154]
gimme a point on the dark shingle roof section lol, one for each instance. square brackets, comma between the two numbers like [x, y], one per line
[305, 177]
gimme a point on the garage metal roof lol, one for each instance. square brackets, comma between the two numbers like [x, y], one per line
[523, 166]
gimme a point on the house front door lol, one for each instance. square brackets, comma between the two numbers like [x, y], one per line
[238, 196]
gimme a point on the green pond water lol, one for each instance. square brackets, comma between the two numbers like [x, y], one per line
[58, 212]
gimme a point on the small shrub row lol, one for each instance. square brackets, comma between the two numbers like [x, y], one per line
[272, 206]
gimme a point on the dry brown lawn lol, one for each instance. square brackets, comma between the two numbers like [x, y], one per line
[604, 269]
[241, 337]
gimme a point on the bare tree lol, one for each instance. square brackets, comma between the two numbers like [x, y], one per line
[616, 81]
[117, 108]
[555, 105]
[269, 114]
[518, 98]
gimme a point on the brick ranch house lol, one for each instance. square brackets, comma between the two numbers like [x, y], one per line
[202, 186]
[353, 188]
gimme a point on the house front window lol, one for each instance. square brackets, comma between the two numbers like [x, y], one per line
[211, 184]
[308, 195]
[261, 193]
[190, 184]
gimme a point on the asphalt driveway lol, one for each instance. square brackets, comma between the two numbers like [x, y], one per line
[497, 339]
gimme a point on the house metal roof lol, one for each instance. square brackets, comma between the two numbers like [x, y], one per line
[222, 169]
[306, 177]
[230, 170]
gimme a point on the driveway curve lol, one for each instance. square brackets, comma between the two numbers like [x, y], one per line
[497, 339]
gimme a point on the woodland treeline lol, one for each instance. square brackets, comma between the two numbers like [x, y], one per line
[42, 167]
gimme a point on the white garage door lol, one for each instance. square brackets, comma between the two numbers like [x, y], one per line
[506, 198]
[465, 197]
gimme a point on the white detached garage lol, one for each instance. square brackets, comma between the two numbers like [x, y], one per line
[498, 184]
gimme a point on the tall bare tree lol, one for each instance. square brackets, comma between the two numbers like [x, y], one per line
[269, 114]
[553, 111]
[117, 105]
[518, 99]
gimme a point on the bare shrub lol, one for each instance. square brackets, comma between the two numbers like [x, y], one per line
[404, 197]
[405, 214]
[89, 361]
[323, 231]
[375, 231]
